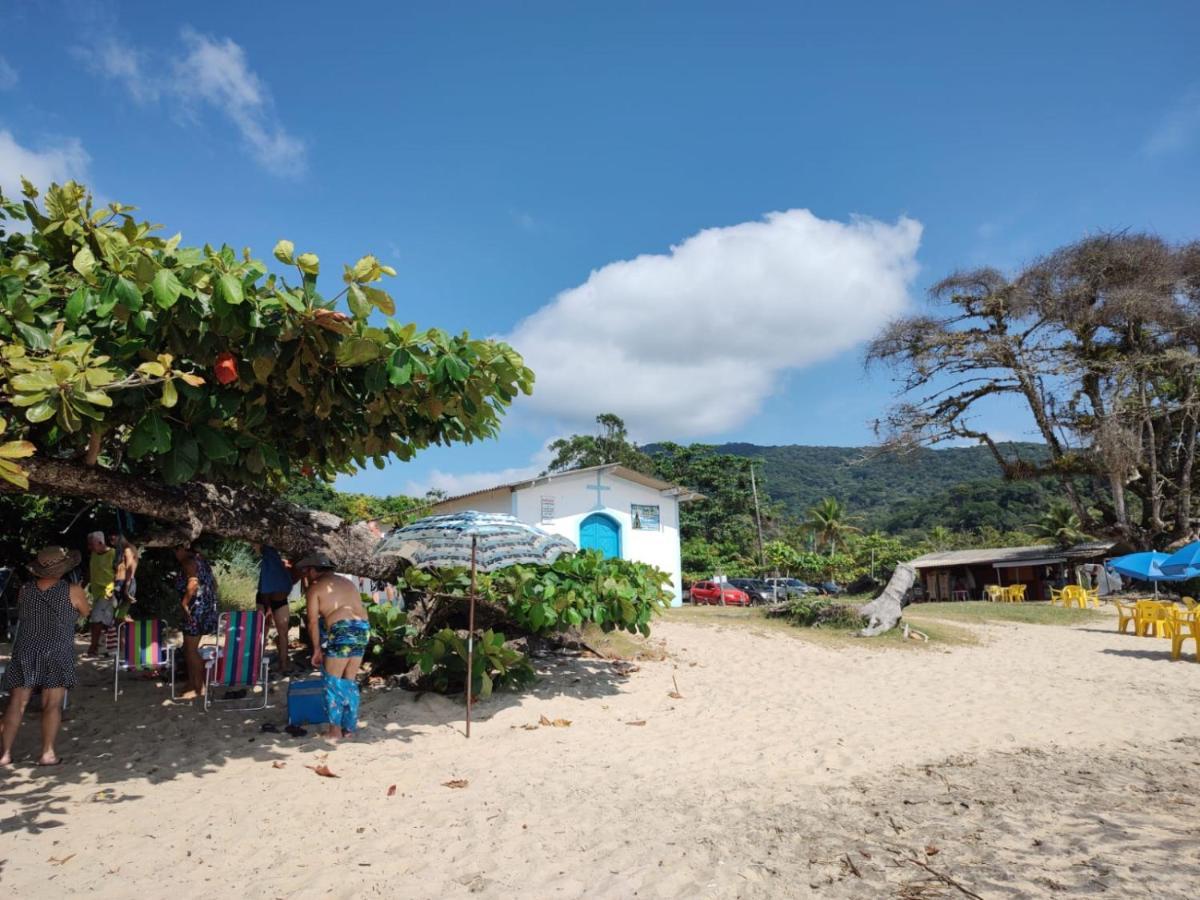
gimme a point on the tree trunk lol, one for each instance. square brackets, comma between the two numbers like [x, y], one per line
[883, 613]
[195, 508]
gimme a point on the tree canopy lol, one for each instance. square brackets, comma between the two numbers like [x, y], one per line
[133, 364]
[1098, 340]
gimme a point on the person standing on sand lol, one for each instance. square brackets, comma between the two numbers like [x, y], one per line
[274, 585]
[100, 586]
[337, 624]
[43, 652]
[198, 596]
[124, 571]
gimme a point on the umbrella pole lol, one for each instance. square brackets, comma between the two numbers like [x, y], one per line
[471, 634]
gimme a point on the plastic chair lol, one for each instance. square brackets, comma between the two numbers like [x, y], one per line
[239, 661]
[1056, 596]
[1016, 593]
[1189, 603]
[140, 647]
[993, 593]
[1144, 617]
[1125, 615]
[1091, 595]
[1184, 626]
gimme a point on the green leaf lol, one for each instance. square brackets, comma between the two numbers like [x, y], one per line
[128, 294]
[263, 367]
[285, 252]
[181, 463]
[381, 300]
[356, 351]
[359, 305]
[153, 369]
[34, 381]
[76, 306]
[151, 435]
[169, 395]
[84, 262]
[229, 289]
[215, 445]
[42, 411]
[34, 338]
[166, 288]
[309, 263]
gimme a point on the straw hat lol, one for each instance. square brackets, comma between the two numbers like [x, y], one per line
[53, 562]
[314, 559]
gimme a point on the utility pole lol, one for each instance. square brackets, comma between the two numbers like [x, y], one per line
[762, 559]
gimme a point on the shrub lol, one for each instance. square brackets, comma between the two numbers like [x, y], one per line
[813, 611]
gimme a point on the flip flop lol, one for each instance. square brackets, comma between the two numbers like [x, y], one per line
[42, 765]
[270, 728]
[296, 731]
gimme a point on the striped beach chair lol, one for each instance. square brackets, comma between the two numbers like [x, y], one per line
[140, 646]
[239, 662]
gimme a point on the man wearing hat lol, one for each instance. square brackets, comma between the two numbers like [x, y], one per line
[43, 652]
[337, 624]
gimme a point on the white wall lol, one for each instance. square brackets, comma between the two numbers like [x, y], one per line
[573, 503]
[497, 501]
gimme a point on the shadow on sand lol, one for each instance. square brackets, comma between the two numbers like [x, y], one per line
[108, 747]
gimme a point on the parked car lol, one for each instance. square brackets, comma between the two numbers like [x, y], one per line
[711, 593]
[830, 588]
[759, 590]
[791, 587]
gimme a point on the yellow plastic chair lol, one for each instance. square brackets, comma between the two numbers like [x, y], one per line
[1056, 596]
[1017, 593]
[1091, 595]
[1184, 626]
[1144, 612]
[993, 593]
[1154, 618]
[1189, 603]
[1125, 615]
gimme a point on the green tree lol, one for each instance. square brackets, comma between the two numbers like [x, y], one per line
[1060, 524]
[610, 445]
[193, 384]
[830, 523]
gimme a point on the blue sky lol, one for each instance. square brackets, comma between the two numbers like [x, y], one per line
[499, 154]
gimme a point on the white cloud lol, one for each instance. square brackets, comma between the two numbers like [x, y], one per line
[693, 341]
[206, 73]
[215, 71]
[1178, 129]
[455, 484]
[60, 162]
[8, 75]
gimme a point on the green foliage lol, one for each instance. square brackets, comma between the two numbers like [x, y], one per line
[313, 493]
[391, 646]
[443, 657]
[611, 445]
[1061, 525]
[235, 569]
[110, 337]
[813, 611]
[830, 523]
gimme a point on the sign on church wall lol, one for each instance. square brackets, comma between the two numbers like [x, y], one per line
[645, 518]
[547, 509]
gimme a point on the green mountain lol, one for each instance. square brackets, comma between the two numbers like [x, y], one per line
[960, 488]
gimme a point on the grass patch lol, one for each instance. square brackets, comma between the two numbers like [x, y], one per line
[753, 619]
[981, 612]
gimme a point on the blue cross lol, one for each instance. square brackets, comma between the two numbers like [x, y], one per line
[598, 487]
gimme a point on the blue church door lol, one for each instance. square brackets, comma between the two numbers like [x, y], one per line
[600, 532]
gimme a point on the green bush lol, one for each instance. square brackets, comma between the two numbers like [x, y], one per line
[813, 611]
[443, 657]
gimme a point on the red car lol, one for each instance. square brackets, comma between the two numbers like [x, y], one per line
[710, 592]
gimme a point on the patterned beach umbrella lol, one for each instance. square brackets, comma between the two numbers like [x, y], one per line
[492, 540]
[483, 541]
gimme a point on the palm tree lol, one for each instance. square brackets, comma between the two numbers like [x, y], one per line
[1059, 525]
[829, 521]
[939, 538]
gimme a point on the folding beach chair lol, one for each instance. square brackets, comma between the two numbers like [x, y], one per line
[140, 647]
[239, 662]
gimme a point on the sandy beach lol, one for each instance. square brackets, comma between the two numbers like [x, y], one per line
[1044, 761]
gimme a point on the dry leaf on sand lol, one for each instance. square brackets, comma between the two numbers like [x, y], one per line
[556, 723]
[638, 722]
[278, 765]
[391, 791]
[456, 783]
[323, 771]
[59, 862]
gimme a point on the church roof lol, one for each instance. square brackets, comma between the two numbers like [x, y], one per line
[684, 495]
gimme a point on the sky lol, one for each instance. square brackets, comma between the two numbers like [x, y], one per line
[693, 215]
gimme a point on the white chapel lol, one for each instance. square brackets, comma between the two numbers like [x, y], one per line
[610, 508]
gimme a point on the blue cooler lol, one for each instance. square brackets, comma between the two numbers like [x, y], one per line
[306, 702]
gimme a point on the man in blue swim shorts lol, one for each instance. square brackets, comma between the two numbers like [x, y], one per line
[337, 624]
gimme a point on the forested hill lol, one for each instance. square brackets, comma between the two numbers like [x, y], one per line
[960, 488]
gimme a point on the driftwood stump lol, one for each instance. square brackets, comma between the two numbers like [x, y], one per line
[883, 613]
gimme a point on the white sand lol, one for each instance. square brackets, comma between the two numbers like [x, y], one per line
[1046, 760]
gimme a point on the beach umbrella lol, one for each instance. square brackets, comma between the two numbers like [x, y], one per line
[484, 542]
[1185, 558]
[1147, 566]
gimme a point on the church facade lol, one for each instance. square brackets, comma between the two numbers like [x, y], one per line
[613, 509]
